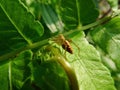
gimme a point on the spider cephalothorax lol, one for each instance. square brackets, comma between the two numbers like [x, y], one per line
[64, 43]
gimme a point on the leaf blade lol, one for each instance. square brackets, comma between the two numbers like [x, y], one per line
[18, 26]
[108, 39]
[75, 13]
[3, 76]
[91, 73]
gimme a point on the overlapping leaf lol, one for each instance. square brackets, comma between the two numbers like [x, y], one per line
[4, 76]
[51, 18]
[50, 75]
[17, 26]
[78, 12]
[14, 73]
[20, 71]
[107, 37]
[91, 73]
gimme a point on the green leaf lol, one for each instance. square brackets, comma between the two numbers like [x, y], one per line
[75, 13]
[107, 37]
[20, 71]
[91, 73]
[4, 76]
[51, 18]
[17, 26]
[50, 75]
[14, 73]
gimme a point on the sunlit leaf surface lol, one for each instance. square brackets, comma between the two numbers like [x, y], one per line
[90, 71]
[107, 37]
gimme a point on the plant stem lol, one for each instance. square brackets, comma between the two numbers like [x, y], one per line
[46, 41]
[13, 53]
[99, 22]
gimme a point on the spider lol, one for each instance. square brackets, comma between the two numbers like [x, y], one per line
[60, 40]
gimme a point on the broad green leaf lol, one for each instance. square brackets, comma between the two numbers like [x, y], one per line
[113, 4]
[91, 73]
[75, 13]
[51, 18]
[46, 10]
[4, 80]
[14, 73]
[17, 26]
[50, 75]
[20, 71]
[107, 37]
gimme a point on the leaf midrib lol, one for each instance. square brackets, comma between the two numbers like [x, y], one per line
[17, 28]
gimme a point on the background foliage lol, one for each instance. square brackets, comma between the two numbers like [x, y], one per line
[27, 52]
